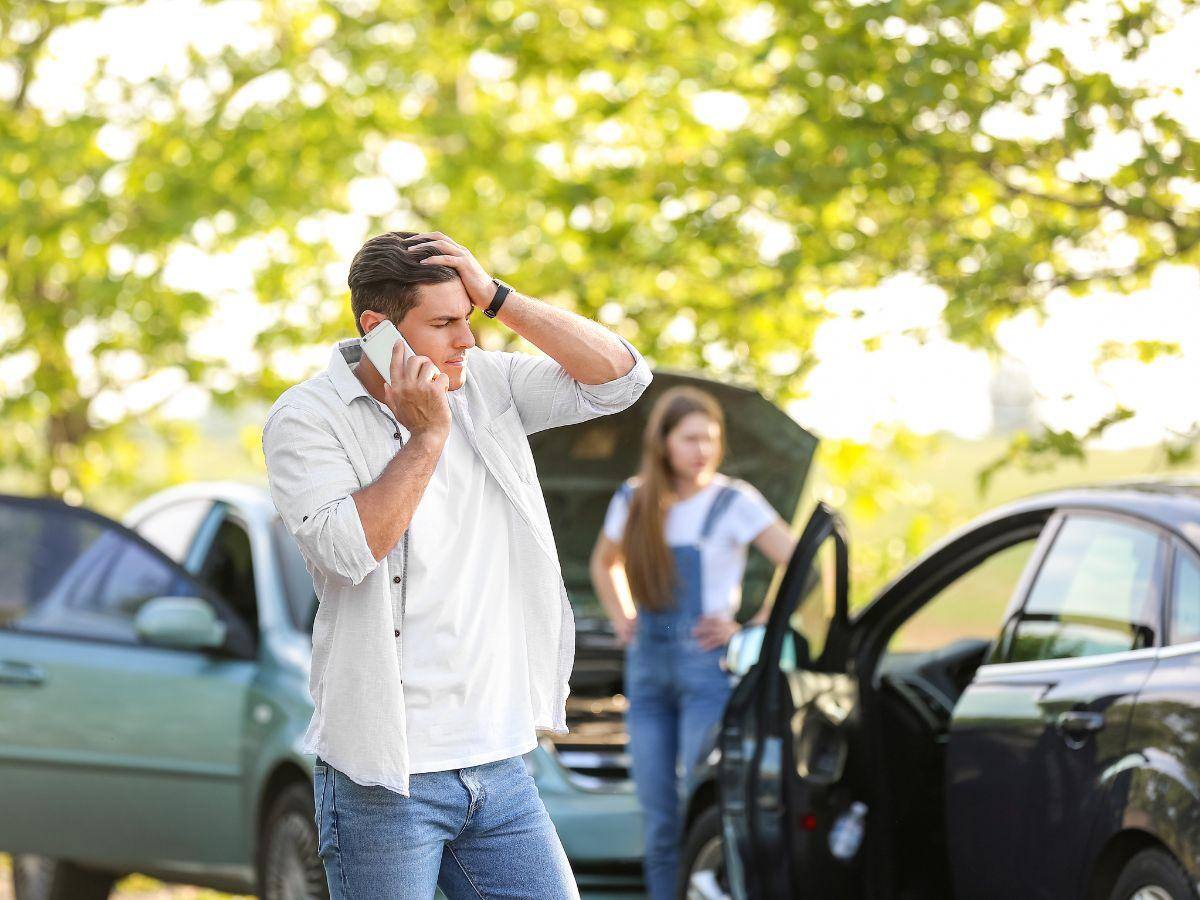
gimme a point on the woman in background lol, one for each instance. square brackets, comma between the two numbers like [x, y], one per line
[668, 570]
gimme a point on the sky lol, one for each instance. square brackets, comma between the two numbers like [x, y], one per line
[916, 378]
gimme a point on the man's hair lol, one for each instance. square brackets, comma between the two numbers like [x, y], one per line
[385, 273]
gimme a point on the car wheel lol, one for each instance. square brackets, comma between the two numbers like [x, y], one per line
[291, 869]
[1153, 875]
[702, 870]
[42, 878]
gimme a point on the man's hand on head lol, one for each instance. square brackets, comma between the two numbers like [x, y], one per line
[480, 287]
[586, 350]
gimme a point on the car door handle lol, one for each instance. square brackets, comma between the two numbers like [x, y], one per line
[21, 674]
[1079, 722]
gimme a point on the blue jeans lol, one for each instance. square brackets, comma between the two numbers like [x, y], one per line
[677, 693]
[477, 832]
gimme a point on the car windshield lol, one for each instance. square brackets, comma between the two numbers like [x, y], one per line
[297, 583]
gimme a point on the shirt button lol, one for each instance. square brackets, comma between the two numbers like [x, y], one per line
[396, 579]
[397, 632]
[396, 435]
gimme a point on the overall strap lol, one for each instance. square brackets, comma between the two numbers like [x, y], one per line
[720, 503]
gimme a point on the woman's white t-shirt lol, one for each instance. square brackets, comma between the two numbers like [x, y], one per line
[723, 553]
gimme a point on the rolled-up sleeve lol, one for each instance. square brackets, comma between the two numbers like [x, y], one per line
[311, 480]
[546, 396]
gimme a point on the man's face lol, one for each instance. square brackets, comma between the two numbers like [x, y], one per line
[438, 327]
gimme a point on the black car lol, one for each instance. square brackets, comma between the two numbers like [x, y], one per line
[1017, 715]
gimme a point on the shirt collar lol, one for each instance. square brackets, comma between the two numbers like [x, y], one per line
[345, 382]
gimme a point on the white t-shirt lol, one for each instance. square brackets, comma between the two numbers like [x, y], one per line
[723, 554]
[464, 664]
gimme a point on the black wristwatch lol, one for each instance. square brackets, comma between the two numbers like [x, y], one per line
[502, 291]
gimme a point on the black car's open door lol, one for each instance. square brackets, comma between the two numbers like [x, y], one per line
[784, 747]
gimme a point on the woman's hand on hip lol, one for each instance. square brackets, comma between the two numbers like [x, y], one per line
[714, 631]
[624, 628]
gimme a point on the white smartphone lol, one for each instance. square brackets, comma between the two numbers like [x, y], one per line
[377, 346]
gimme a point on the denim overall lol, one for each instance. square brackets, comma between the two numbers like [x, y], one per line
[677, 693]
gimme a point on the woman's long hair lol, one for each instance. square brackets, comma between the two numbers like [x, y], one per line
[649, 565]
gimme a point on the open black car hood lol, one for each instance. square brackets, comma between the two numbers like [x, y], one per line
[580, 466]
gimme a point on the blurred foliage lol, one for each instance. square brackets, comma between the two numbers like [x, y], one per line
[868, 483]
[1040, 452]
[573, 147]
[1142, 351]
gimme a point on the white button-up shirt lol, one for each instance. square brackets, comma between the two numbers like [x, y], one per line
[326, 438]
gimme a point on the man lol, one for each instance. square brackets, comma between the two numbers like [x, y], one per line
[443, 639]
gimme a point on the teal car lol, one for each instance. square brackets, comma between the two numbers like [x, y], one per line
[154, 676]
[153, 692]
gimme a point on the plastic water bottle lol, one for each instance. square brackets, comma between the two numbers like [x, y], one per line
[846, 836]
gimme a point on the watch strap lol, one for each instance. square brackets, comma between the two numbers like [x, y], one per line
[502, 291]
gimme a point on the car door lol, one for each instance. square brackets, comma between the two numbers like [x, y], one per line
[111, 749]
[1159, 794]
[1034, 733]
[785, 746]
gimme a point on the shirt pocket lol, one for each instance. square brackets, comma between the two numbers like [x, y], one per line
[508, 433]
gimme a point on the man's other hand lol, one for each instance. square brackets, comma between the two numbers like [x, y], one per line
[480, 287]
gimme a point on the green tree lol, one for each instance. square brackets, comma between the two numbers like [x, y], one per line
[700, 174]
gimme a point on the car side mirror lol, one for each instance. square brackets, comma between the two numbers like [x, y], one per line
[746, 645]
[187, 622]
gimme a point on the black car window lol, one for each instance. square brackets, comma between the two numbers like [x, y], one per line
[1097, 591]
[1185, 600]
[173, 528]
[68, 571]
[297, 582]
[228, 568]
